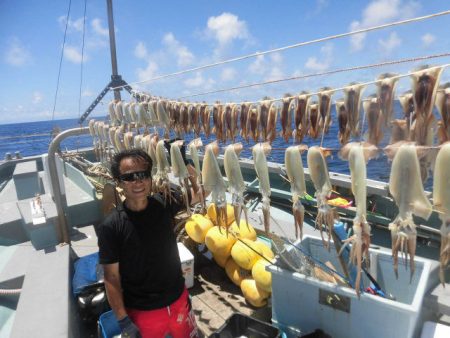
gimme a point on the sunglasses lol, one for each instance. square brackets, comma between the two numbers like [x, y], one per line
[132, 177]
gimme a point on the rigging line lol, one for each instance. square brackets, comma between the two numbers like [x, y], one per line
[332, 37]
[342, 88]
[335, 71]
[60, 60]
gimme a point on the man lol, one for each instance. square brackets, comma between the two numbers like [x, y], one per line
[138, 250]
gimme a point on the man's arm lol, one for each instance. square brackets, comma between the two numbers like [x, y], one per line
[196, 192]
[114, 290]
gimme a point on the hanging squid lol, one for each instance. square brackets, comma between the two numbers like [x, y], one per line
[374, 116]
[342, 116]
[193, 151]
[301, 116]
[162, 173]
[313, 118]
[385, 95]
[213, 182]
[294, 170]
[352, 100]
[441, 200]
[318, 171]
[443, 106]
[252, 123]
[286, 119]
[358, 154]
[272, 122]
[406, 188]
[236, 184]
[259, 152]
[325, 109]
[263, 116]
[425, 83]
[243, 120]
[179, 170]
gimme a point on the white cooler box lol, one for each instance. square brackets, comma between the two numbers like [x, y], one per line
[187, 264]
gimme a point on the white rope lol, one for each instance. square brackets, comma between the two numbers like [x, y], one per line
[335, 71]
[301, 44]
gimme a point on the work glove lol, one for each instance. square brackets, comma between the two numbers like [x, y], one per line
[128, 328]
[168, 144]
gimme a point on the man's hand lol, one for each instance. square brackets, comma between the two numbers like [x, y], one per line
[128, 328]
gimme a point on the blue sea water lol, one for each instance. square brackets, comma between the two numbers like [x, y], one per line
[33, 138]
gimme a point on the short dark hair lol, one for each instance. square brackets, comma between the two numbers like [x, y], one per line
[137, 154]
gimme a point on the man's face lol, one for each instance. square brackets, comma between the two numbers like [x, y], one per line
[138, 188]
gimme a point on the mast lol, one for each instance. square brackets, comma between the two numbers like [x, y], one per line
[112, 47]
[116, 82]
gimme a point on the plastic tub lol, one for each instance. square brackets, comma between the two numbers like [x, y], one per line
[307, 304]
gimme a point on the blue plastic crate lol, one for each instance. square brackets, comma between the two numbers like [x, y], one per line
[108, 325]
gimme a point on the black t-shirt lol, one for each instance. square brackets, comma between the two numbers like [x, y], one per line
[144, 244]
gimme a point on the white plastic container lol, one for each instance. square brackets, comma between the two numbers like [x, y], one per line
[187, 265]
[306, 303]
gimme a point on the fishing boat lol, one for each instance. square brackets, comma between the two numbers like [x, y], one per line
[51, 204]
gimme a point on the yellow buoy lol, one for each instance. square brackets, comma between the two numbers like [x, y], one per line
[262, 277]
[211, 212]
[197, 226]
[244, 230]
[253, 293]
[265, 250]
[235, 272]
[244, 253]
[218, 242]
[221, 260]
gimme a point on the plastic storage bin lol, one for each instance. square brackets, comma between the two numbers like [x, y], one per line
[238, 325]
[306, 303]
[187, 265]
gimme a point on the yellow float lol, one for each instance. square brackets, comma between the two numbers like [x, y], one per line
[245, 253]
[197, 226]
[253, 293]
[211, 212]
[262, 277]
[244, 230]
[218, 242]
[235, 272]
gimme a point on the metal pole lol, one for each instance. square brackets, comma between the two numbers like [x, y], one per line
[112, 45]
[60, 199]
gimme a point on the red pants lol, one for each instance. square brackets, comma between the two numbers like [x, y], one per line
[176, 320]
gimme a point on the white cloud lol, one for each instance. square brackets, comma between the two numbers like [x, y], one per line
[98, 28]
[17, 54]
[320, 65]
[257, 66]
[37, 97]
[87, 93]
[184, 56]
[147, 73]
[379, 12]
[275, 73]
[228, 74]
[428, 39]
[72, 26]
[388, 45]
[226, 28]
[72, 54]
[198, 81]
[140, 51]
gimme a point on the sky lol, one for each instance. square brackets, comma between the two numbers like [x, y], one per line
[155, 38]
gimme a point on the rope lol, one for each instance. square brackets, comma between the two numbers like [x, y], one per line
[330, 72]
[301, 44]
[60, 60]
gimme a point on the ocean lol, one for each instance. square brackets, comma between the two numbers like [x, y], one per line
[33, 138]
